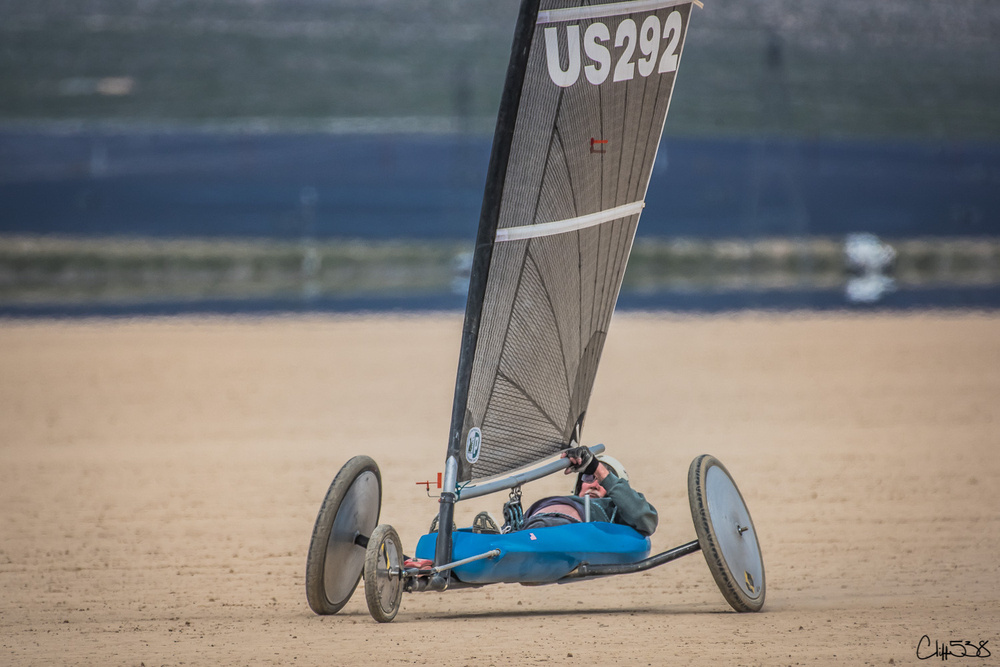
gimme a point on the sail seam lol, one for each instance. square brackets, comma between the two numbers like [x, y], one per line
[506, 332]
[548, 160]
[541, 411]
[570, 224]
[572, 192]
[604, 11]
[555, 322]
[635, 146]
[600, 124]
[582, 345]
[597, 277]
[556, 134]
[615, 269]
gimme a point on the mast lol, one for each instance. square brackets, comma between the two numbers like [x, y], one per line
[488, 218]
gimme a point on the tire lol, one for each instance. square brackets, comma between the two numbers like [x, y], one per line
[383, 573]
[346, 519]
[726, 534]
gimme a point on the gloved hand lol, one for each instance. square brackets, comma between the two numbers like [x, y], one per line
[582, 460]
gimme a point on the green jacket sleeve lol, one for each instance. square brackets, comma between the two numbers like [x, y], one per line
[631, 507]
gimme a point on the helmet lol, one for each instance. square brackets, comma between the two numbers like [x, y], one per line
[612, 464]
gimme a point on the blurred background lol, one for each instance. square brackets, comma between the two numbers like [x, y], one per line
[162, 156]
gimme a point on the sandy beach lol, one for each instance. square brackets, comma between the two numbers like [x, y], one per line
[159, 480]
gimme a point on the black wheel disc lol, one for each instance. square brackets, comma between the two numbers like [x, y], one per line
[726, 534]
[346, 519]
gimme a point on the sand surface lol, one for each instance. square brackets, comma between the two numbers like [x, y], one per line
[159, 480]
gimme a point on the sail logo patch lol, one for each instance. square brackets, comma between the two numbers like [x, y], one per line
[601, 61]
[473, 444]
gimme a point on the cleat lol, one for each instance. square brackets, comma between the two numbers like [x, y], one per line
[485, 523]
[434, 526]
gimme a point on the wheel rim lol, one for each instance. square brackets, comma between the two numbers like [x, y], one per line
[734, 532]
[387, 578]
[345, 558]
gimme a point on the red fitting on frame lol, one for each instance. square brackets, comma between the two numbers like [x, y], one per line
[427, 484]
[594, 142]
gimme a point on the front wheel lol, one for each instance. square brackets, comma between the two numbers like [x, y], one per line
[726, 534]
[384, 573]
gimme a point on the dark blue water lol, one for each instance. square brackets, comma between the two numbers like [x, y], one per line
[174, 184]
[949, 299]
[287, 186]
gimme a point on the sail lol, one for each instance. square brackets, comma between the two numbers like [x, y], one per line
[586, 97]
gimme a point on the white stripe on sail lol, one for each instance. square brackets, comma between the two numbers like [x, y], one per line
[563, 226]
[602, 11]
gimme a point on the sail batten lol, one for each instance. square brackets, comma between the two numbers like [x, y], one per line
[587, 93]
[604, 11]
[572, 224]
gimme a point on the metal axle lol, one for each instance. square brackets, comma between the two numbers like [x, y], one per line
[585, 570]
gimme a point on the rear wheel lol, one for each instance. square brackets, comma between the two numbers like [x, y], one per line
[726, 534]
[346, 519]
[384, 573]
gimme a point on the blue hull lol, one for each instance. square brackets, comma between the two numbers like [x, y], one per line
[540, 556]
